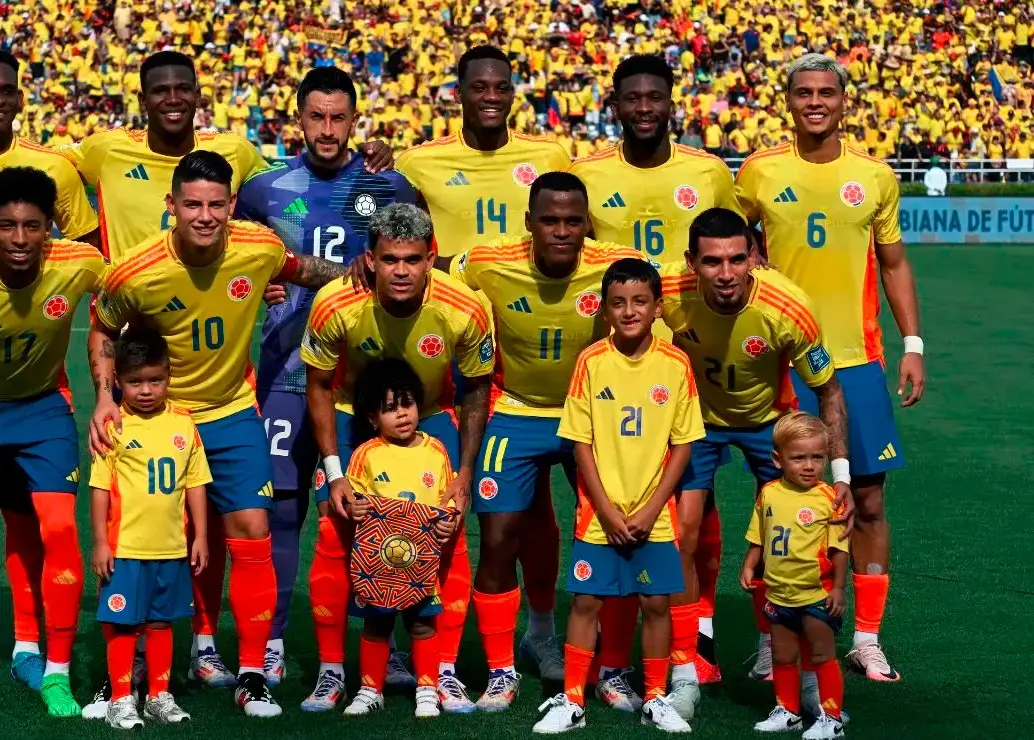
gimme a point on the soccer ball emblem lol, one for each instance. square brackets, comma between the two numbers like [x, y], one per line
[428, 479]
[852, 194]
[239, 288]
[805, 516]
[431, 345]
[179, 442]
[488, 489]
[55, 307]
[754, 347]
[582, 570]
[659, 394]
[398, 551]
[365, 204]
[588, 303]
[116, 603]
[321, 479]
[524, 174]
[686, 197]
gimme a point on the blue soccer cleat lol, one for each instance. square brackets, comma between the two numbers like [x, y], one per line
[27, 668]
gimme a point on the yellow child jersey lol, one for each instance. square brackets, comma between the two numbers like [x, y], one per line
[743, 360]
[541, 323]
[206, 314]
[132, 181]
[155, 459]
[348, 330]
[477, 196]
[821, 222]
[36, 321]
[631, 412]
[74, 215]
[792, 528]
[420, 473]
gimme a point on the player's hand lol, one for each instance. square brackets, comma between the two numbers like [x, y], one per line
[747, 578]
[199, 555]
[445, 528]
[843, 509]
[641, 523]
[378, 156]
[274, 294]
[357, 275]
[100, 442]
[101, 561]
[359, 507]
[911, 377]
[458, 493]
[340, 497]
[835, 602]
[614, 527]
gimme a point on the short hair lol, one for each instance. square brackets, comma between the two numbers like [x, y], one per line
[815, 62]
[372, 386]
[326, 80]
[632, 270]
[166, 59]
[643, 64]
[199, 165]
[796, 425]
[400, 222]
[477, 54]
[28, 185]
[140, 347]
[557, 182]
[717, 223]
[10, 60]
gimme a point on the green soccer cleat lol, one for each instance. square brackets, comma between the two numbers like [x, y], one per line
[57, 695]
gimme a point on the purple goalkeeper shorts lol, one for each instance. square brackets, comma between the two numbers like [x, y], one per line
[292, 448]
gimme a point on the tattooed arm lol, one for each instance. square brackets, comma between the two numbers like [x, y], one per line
[101, 348]
[308, 271]
[473, 417]
[833, 411]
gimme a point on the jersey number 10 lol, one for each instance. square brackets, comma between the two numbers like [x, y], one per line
[161, 475]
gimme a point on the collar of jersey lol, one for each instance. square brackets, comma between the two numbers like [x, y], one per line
[463, 142]
[621, 155]
[625, 358]
[797, 154]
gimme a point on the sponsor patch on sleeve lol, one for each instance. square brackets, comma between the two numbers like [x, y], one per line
[818, 359]
[486, 350]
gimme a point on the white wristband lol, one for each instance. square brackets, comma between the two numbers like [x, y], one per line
[913, 344]
[841, 470]
[332, 467]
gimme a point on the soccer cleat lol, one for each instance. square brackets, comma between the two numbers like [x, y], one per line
[452, 695]
[330, 689]
[98, 706]
[208, 667]
[825, 728]
[57, 695]
[563, 715]
[707, 672]
[164, 710]
[398, 675]
[27, 668]
[122, 714]
[426, 702]
[253, 697]
[367, 700]
[275, 667]
[780, 719]
[502, 691]
[811, 704]
[616, 693]
[661, 714]
[762, 669]
[684, 696]
[868, 659]
[545, 653]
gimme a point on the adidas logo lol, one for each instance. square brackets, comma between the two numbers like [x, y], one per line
[768, 511]
[322, 611]
[383, 478]
[458, 179]
[73, 477]
[614, 201]
[265, 616]
[266, 491]
[134, 445]
[521, 305]
[690, 335]
[606, 394]
[643, 578]
[787, 196]
[296, 208]
[138, 173]
[174, 305]
[370, 345]
[65, 578]
[889, 453]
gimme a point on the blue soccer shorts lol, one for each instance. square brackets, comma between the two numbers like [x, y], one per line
[39, 449]
[792, 617]
[873, 443]
[514, 450]
[292, 447]
[429, 607]
[711, 452]
[141, 591]
[648, 568]
[238, 456]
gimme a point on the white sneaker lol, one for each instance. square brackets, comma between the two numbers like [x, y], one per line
[452, 695]
[502, 691]
[398, 675]
[122, 714]
[252, 696]
[868, 659]
[684, 696]
[545, 653]
[207, 666]
[98, 706]
[616, 693]
[274, 666]
[662, 715]
[762, 670]
[780, 719]
[426, 702]
[330, 689]
[164, 710]
[563, 715]
[366, 700]
[825, 728]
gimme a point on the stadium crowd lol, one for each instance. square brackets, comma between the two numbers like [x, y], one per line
[929, 78]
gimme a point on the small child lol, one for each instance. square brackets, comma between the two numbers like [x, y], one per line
[805, 571]
[632, 411]
[139, 489]
[396, 464]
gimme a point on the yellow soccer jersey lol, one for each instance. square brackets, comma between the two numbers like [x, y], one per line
[207, 314]
[541, 323]
[348, 330]
[132, 181]
[74, 215]
[652, 209]
[743, 360]
[155, 460]
[420, 473]
[821, 222]
[630, 411]
[36, 321]
[792, 528]
[477, 196]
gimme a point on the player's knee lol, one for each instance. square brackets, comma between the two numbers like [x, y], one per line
[868, 501]
[654, 607]
[586, 607]
[57, 530]
[249, 524]
[689, 539]
[378, 628]
[421, 628]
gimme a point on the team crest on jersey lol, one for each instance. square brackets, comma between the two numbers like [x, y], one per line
[430, 345]
[321, 479]
[56, 306]
[686, 197]
[805, 516]
[365, 204]
[659, 394]
[754, 346]
[524, 174]
[582, 570]
[239, 288]
[179, 442]
[488, 489]
[116, 603]
[852, 194]
[428, 479]
[588, 304]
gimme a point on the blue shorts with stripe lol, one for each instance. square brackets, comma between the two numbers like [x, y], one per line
[39, 449]
[873, 443]
[711, 452]
[648, 568]
[292, 447]
[792, 617]
[238, 455]
[513, 452]
[142, 591]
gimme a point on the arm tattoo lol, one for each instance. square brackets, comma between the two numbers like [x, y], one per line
[314, 272]
[107, 348]
[833, 411]
[101, 351]
[473, 417]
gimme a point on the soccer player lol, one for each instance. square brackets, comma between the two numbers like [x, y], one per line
[199, 285]
[830, 219]
[631, 411]
[544, 293]
[319, 202]
[42, 281]
[432, 321]
[139, 543]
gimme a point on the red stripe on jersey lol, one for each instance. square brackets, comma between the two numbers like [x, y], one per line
[792, 309]
[599, 156]
[597, 256]
[871, 332]
[786, 397]
[678, 284]
[136, 265]
[323, 312]
[585, 511]
[451, 138]
[698, 153]
[70, 251]
[670, 350]
[479, 318]
[506, 253]
[464, 303]
[581, 368]
[781, 149]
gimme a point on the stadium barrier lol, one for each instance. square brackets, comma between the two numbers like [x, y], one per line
[961, 220]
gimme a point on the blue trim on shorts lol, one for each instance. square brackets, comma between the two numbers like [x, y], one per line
[649, 568]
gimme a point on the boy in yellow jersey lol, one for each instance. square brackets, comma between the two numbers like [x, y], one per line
[794, 532]
[631, 411]
[141, 490]
[42, 281]
[432, 321]
[402, 462]
[830, 218]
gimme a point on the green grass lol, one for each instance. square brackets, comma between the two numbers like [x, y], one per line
[961, 590]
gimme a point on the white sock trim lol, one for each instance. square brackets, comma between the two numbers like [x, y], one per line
[685, 672]
[865, 638]
[277, 645]
[25, 646]
[446, 668]
[706, 627]
[338, 668]
[53, 668]
[202, 642]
